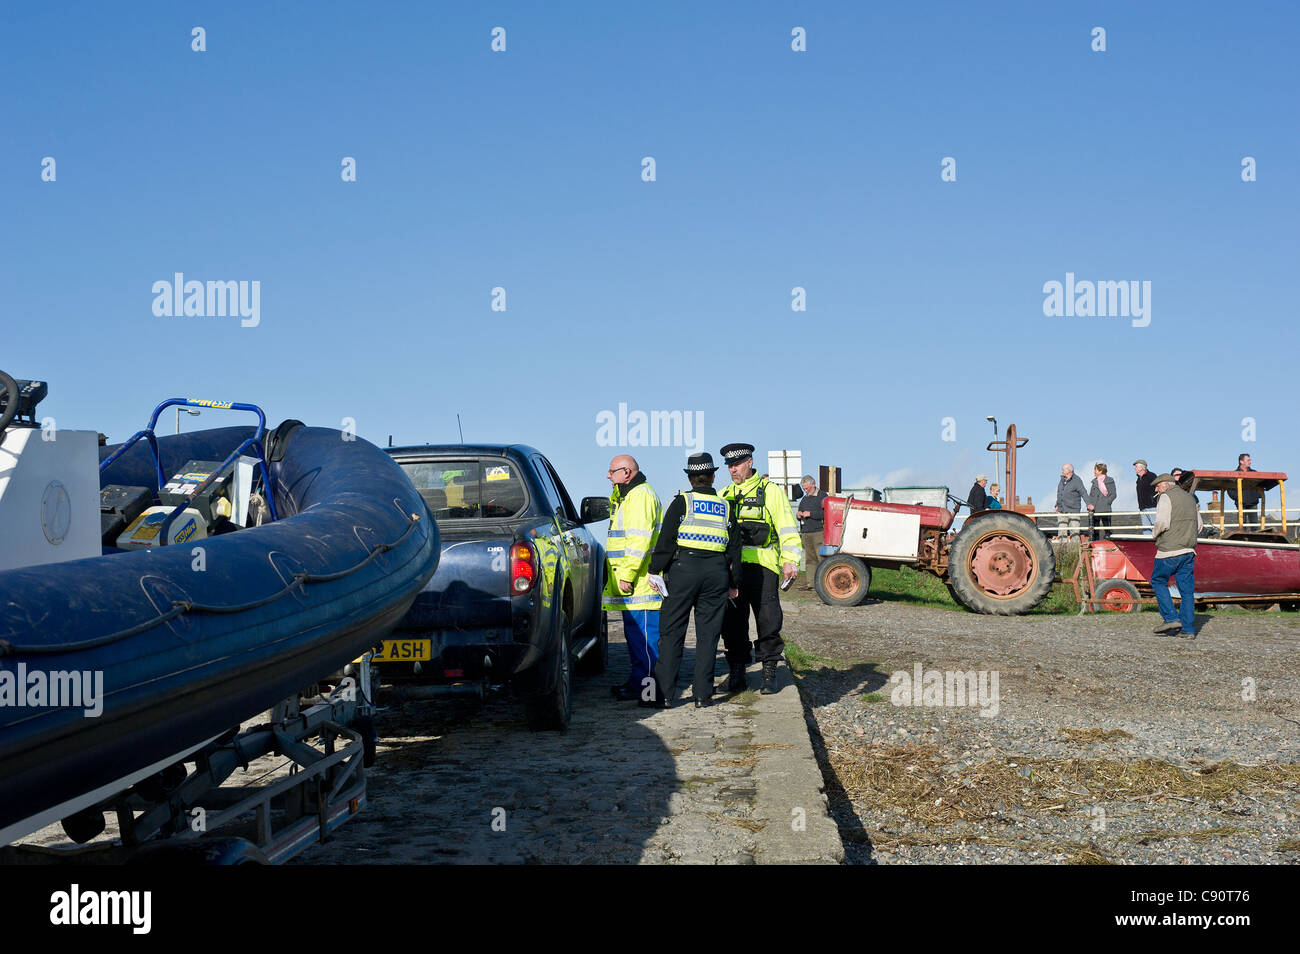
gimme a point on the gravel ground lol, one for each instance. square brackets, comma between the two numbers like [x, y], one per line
[1106, 742]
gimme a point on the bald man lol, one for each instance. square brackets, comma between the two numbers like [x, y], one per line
[634, 517]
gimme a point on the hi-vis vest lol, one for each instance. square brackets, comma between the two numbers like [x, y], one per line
[755, 506]
[633, 530]
[704, 524]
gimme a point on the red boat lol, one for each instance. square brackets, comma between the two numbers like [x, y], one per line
[1249, 560]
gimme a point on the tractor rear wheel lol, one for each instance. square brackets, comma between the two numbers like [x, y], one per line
[842, 580]
[1001, 565]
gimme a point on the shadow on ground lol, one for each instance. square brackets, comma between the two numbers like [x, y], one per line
[819, 685]
[459, 781]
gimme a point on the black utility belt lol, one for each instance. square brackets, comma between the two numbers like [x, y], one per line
[688, 551]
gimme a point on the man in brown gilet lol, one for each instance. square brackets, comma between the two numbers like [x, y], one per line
[1176, 525]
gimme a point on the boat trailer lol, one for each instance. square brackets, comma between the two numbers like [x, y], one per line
[195, 815]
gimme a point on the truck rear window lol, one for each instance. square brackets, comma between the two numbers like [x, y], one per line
[468, 489]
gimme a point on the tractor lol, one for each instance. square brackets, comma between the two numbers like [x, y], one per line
[999, 563]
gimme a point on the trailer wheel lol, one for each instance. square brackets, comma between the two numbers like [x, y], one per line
[842, 580]
[551, 708]
[1117, 596]
[1001, 565]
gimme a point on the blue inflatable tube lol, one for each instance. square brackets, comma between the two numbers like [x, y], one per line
[187, 649]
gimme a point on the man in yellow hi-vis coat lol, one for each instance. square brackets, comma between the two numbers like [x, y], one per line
[771, 549]
[634, 517]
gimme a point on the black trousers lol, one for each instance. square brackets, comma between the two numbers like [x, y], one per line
[760, 590]
[698, 581]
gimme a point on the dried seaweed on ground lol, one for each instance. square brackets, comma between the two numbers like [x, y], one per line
[1088, 736]
[911, 780]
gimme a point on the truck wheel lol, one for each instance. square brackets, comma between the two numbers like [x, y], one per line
[593, 664]
[1117, 596]
[551, 708]
[1001, 565]
[842, 580]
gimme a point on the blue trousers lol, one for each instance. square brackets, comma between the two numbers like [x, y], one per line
[1182, 569]
[641, 630]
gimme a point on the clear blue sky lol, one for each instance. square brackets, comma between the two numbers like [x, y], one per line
[775, 169]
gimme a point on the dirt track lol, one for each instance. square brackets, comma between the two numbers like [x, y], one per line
[1034, 782]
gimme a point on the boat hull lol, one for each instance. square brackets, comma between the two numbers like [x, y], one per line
[1227, 567]
[176, 684]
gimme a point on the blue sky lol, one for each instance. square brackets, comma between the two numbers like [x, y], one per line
[774, 169]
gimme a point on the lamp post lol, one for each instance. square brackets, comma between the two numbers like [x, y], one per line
[187, 410]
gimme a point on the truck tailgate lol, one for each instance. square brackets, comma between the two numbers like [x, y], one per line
[471, 588]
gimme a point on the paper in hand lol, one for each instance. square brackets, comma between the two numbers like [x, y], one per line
[658, 585]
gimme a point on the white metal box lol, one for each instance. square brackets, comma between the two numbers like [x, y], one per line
[917, 496]
[49, 496]
[877, 533]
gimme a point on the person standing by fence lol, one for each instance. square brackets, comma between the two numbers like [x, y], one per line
[810, 514]
[1101, 501]
[1146, 489]
[1070, 495]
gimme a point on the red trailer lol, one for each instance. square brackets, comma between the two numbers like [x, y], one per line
[1249, 560]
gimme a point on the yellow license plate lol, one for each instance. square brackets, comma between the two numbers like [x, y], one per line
[404, 650]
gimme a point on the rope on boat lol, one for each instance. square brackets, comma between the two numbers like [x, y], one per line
[180, 607]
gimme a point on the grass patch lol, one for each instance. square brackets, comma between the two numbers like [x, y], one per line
[800, 660]
[1291, 844]
[911, 780]
[873, 697]
[919, 588]
[746, 698]
[1089, 736]
[907, 585]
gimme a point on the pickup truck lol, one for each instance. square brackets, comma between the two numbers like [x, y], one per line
[517, 593]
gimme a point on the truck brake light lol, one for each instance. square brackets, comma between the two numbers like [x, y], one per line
[523, 568]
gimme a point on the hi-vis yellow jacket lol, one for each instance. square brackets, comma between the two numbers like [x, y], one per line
[784, 545]
[633, 530]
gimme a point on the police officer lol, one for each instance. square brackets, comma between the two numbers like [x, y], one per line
[770, 551]
[634, 518]
[699, 550]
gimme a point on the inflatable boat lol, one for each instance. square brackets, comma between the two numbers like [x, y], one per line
[220, 571]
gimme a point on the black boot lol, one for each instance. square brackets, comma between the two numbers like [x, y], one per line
[769, 678]
[736, 680]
